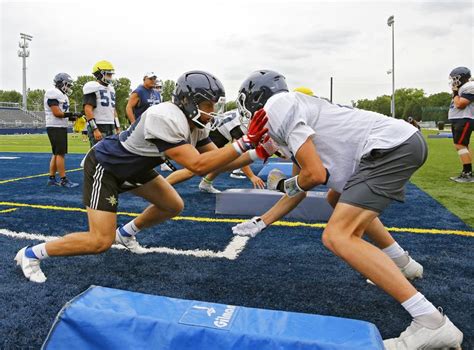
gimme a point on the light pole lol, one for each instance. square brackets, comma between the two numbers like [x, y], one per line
[24, 53]
[391, 23]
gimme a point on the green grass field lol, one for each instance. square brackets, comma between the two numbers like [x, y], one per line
[433, 177]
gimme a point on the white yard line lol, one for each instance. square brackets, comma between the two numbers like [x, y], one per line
[231, 252]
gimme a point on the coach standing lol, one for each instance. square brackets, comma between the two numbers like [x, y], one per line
[144, 96]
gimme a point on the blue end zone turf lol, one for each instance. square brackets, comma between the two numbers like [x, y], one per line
[105, 318]
[441, 135]
[285, 167]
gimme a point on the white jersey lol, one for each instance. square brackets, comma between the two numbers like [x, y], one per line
[63, 104]
[342, 135]
[104, 111]
[142, 146]
[465, 91]
[228, 122]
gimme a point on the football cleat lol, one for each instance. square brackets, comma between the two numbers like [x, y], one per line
[237, 174]
[30, 267]
[53, 182]
[129, 242]
[67, 183]
[416, 336]
[464, 177]
[205, 186]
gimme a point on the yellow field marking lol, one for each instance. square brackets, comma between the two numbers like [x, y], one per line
[228, 220]
[32, 176]
[7, 210]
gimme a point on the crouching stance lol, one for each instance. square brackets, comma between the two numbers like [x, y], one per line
[366, 159]
[177, 130]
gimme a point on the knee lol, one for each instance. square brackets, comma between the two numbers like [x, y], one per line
[327, 239]
[101, 244]
[177, 208]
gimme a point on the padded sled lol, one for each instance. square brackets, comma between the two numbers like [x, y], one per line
[255, 202]
[105, 318]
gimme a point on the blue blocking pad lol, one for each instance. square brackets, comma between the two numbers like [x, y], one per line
[285, 167]
[105, 318]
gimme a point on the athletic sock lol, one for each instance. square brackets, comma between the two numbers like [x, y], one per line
[129, 229]
[397, 254]
[423, 312]
[37, 252]
[467, 168]
[206, 180]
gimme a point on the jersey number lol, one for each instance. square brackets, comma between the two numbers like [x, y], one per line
[105, 100]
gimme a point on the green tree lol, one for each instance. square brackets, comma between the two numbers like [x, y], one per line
[413, 109]
[441, 99]
[403, 97]
[75, 100]
[122, 92]
[10, 96]
[230, 105]
[35, 100]
[168, 88]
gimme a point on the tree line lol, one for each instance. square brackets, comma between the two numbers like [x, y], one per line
[409, 102]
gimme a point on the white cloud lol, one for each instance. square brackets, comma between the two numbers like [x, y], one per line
[307, 41]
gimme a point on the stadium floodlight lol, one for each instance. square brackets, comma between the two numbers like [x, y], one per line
[391, 23]
[24, 53]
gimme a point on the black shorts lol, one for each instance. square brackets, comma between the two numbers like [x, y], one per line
[58, 139]
[105, 129]
[101, 187]
[462, 130]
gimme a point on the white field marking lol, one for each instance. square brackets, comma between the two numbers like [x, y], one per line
[231, 252]
[8, 158]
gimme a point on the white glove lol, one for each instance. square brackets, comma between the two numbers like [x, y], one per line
[250, 227]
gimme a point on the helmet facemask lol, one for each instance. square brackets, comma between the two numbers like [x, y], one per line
[216, 116]
[66, 88]
[244, 114]
[101, 75]
[455, 82]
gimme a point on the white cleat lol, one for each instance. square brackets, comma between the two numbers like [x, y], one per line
[207, 187]
[30, 267]
[412, 270]
[415, 337]
[130, 243]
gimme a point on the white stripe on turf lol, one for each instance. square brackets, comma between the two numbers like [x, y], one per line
[231, 252]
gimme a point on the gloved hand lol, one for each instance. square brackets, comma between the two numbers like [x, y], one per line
[72, 116]
[256, 130]
[249, 228]
[266, 148]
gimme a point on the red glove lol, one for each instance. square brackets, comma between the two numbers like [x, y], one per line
[256, 127]
[266, 148]
[256, 130]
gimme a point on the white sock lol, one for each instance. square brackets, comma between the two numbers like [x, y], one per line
[40, 251]
[394, 251]
[131, 228]
[417, 305]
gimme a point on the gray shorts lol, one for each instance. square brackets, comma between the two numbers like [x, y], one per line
[383, 173]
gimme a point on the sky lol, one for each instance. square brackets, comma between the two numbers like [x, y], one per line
[307, 41]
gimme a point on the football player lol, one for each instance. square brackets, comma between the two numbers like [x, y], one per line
[56, 108]
[99, 103]
[144, 96]
[228, 129]
[461, 115]
[126, 162]
[365, 158]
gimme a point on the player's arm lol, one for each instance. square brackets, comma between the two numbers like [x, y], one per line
[258, 223]
[131, 104]
[116, 122]
[461, 102]
[89, 103]
[201, 163]
[256, 181]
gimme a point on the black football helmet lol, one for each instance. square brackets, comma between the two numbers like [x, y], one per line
[197, 86]
[459, 76]
[256, 90]
[63, 82]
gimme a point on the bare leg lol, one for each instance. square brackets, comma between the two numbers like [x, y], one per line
[100, 237]
[343, 237]
[52, 166]
[165, 202]
[60, 165]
